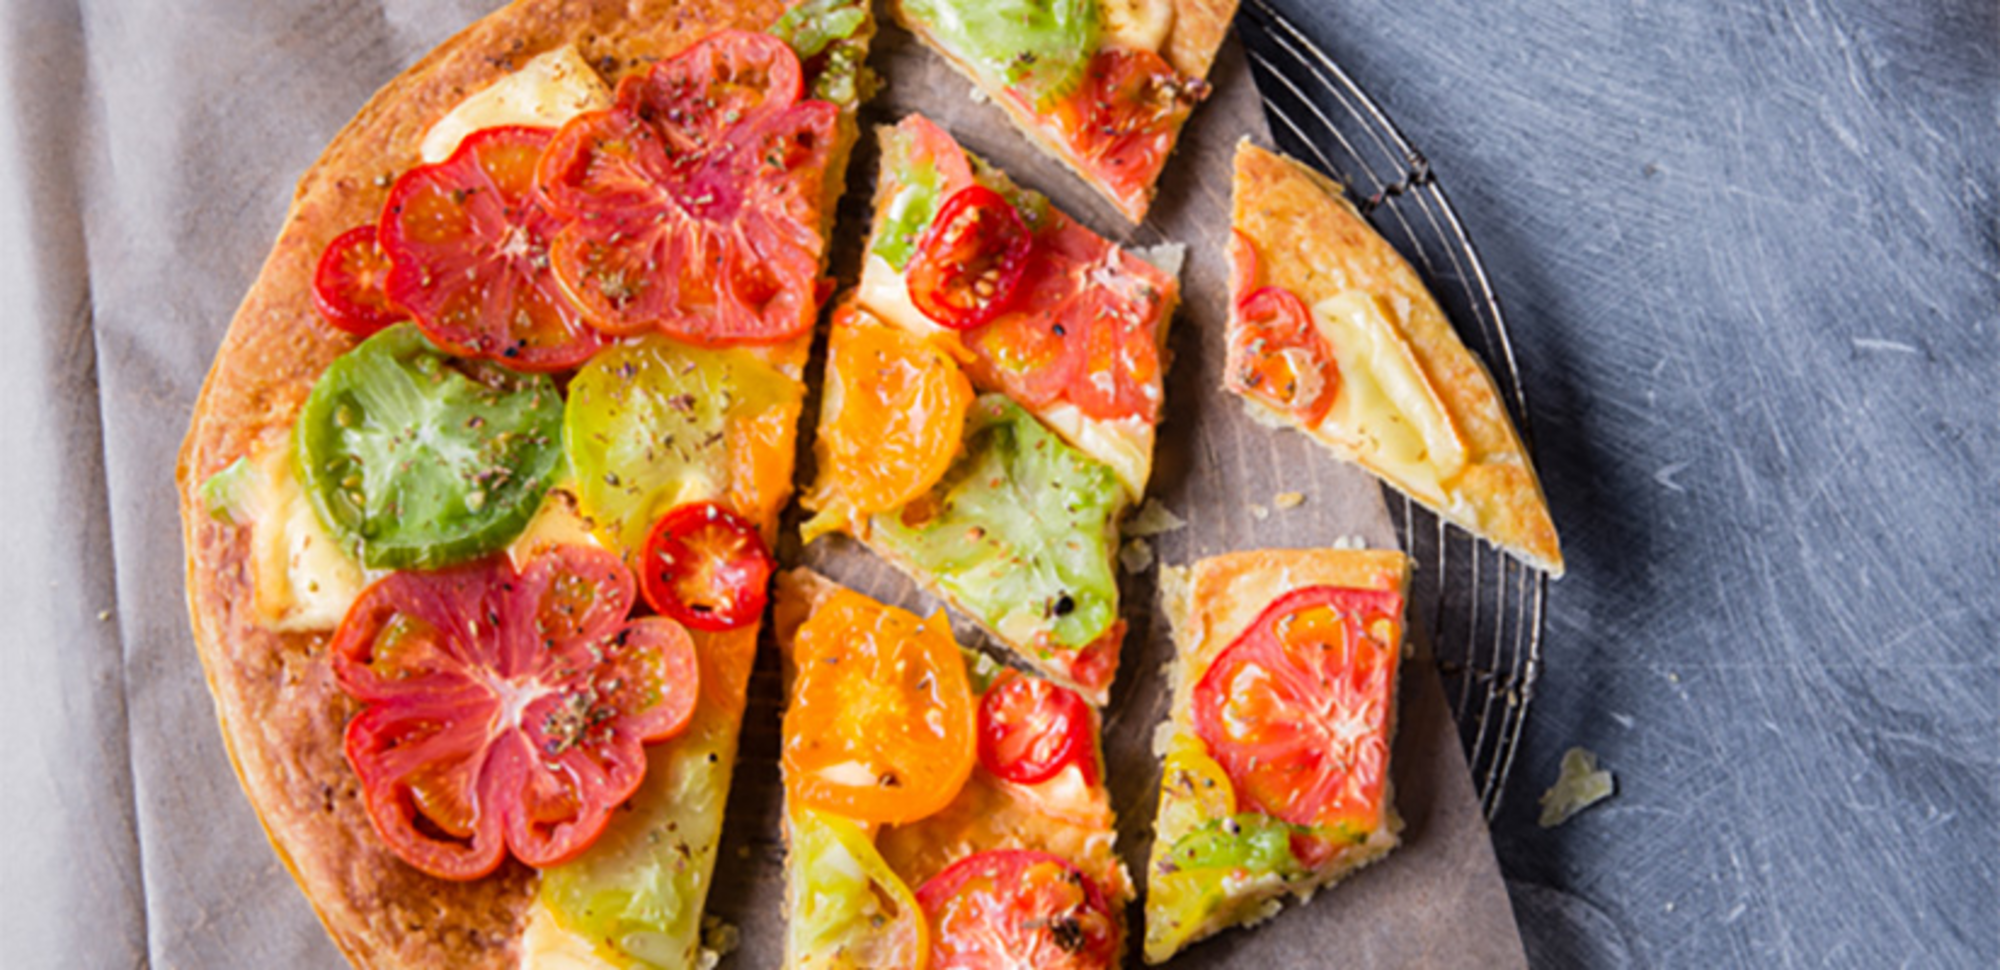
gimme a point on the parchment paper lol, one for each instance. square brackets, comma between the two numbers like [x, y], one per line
[178, 139]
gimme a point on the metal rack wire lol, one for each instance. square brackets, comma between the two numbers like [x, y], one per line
[1482, 609]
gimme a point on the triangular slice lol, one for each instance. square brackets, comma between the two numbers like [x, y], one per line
[1069, 324]
[1104, 86]
[1331, 332]
[940, 808]
[1276, 778]
[972, 497]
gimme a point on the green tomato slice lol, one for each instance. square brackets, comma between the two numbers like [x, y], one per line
[915, 202]
[647, 429]
[1019, 531]
[416, 460]
[638, 891]
[1040, 47]
[849, 909]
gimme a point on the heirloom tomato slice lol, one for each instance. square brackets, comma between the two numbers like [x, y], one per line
[706, 567]
[1085, 328]
[1031, 729]
[1296, 710]
[504, 709]
[1276, 353]
[1122, 120]
[468, 247]
[893, 417]
[348, 283]
[693, 203]
[881, 724]
[968, 264]
[1009, 908]
[846, 900]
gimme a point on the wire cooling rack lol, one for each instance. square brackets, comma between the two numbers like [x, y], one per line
[1482, 609]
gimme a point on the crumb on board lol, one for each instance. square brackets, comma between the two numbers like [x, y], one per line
[1153, 519]
[1259, 512]
[1288, 500]
[1580, 785]
[718, 939]
[1136, 556]
[1350, 542]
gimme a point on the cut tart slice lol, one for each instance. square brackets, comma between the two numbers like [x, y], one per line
[1331, 332]
[478, 594]
[1276, 774]
[1070, 325]
[972, 497]
[1103, 86]
[940, 810]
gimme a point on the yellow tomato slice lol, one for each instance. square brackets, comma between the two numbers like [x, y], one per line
[881, 726]
[849, 909]
[892, 421]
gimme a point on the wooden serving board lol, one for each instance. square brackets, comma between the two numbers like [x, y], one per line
[1436, 902]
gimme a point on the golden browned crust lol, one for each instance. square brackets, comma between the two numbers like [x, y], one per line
[1190, 48]
[1311, 240]
[282, 716]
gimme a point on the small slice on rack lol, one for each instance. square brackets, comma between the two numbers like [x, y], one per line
[940, 810]
[1103, 86]
[1331, 332]
[1276, 775]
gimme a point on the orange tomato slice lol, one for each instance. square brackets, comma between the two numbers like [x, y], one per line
[881, 726]
[894, 417]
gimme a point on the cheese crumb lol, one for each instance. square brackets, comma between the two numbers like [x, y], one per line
[1153, 519]
[1581, 785]
[1288, 500]
[1259, 512]
[1136, 557]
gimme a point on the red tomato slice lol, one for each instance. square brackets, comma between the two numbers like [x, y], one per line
[504, 709]
[348, 283]
[1031, 729]
[706, 567]
[1010, 908]
[693, 203]
[1122, 121]
[1297, 709]
[468, 246]
[1085, 328]
[968, 264]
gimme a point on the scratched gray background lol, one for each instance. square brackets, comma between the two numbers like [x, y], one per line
[1748, 255]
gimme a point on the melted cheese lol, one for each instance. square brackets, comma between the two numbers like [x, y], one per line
[1125, 445]
[1137, 24]
[302, 579]
[550, 89]
[556, 523]
[1387, 411]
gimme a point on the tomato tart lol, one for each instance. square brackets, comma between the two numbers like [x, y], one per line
[1102, 85]
[941, 810]
[1333, 333]
[1276, 773]
[478, 493]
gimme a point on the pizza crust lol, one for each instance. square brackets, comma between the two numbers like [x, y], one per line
[282, 715]
[1312, 241]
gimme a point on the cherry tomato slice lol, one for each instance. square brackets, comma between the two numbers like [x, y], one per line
[706, 567]
[1296, 710]
[881, 726]
[693, 203]
[1276, 354]
[893, 420]
[1031, 729]
[1084, 328]
[468, 247]
[1122, 121]
[504, 709]
[348, 283]
[1009, 908]
[968, 264]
